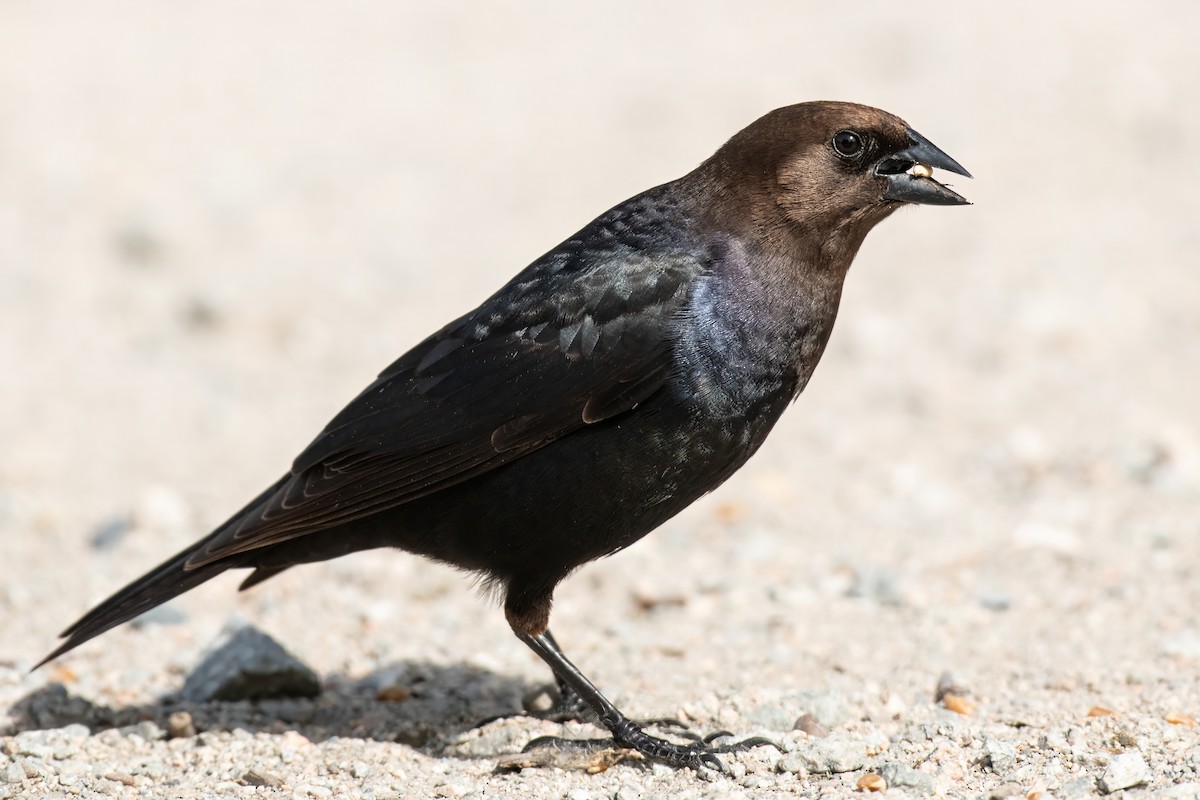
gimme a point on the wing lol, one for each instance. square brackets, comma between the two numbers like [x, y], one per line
[579, 337]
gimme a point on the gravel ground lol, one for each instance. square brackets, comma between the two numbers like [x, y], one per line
[218, 221]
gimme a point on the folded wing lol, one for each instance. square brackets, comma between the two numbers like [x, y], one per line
[566, 344]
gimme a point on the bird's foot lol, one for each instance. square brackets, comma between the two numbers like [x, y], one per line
[567, 706]
[701, 752]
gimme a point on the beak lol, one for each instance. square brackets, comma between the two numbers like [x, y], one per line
[917, 186]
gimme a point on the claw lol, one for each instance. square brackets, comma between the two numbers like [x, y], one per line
[712, 762]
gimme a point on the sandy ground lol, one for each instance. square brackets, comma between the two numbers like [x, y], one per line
[218, 221]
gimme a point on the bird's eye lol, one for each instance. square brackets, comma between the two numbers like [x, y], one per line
[847, 144]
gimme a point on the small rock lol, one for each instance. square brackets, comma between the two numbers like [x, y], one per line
[110, 532]
[627, 791]
[947, 684]
[904, 775]
[139, 243]
[256, 777]
[870, 782]
[793, 763]
[249, 665]
[1001, 755]
[120, 777]
[179, 725]
[995, 601]
[1124, 771]
[826, 707]
[812, 726]
[826, 756]
[361, 770]
[13, 773]
[200, 314]
[145, 729]
[168, 614]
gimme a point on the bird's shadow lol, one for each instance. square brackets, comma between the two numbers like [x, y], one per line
[416, 703]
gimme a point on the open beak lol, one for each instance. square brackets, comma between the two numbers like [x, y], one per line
[909, 173]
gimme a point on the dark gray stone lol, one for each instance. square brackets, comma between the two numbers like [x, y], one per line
[247, 664]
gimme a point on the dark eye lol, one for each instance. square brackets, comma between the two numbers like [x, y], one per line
[848, 144]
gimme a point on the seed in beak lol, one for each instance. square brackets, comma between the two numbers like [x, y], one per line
[922, 170]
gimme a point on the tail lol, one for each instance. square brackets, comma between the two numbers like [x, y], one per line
[156, 587]
[166, 581]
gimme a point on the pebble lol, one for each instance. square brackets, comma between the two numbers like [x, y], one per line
[109, 533]
[168, 614]
[812, 726]
[995, 601]
[257, 777]
[249, 665]
[180, 726]
[825, 756]
[1124, 771]
[828, 708]
[13, 773]
[627, 791]
[146, 729]
[1001, 755]
[904, 775]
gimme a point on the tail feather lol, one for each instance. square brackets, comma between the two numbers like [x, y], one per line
[166, 581]
[161, 584]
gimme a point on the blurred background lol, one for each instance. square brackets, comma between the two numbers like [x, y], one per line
[218, 221]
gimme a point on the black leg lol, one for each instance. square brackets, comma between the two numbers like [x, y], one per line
[570, 705]
[625, 732]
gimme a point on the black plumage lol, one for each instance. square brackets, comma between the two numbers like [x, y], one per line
[615, 380]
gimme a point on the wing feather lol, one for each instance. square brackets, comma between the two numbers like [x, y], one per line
[565, 344]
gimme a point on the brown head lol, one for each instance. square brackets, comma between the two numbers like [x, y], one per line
[828, 167]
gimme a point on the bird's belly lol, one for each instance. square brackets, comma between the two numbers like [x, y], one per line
[586, 495]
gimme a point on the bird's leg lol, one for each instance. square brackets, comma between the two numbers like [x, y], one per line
[625, 732]
[570, 706]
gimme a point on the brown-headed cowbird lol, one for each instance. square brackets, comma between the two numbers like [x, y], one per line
[611, 383]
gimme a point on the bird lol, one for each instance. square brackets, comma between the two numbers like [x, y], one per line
[615, 380]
